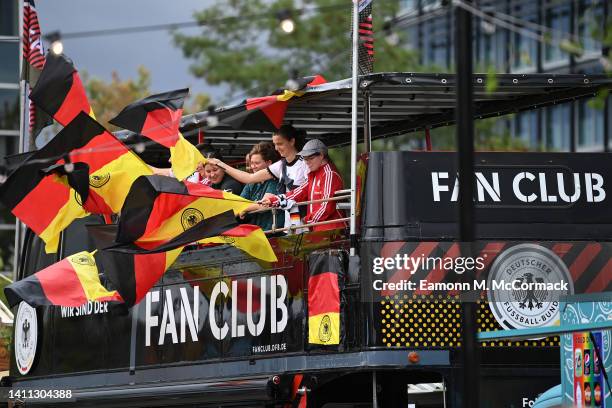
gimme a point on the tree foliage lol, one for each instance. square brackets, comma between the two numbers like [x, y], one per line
[109, 98]
[250, 53]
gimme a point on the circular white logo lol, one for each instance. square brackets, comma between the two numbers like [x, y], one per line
[524, 286]
[26, 336]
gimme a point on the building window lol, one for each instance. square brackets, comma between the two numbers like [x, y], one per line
[9, 69]
[409, 5]
[557, 17]
[557, 130]
[526, 129]
[9, 17]
[523, 49]
[9, 109]
[590, 127]
[590, 24]
[435, 45]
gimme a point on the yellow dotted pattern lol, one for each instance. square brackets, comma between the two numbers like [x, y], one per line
[435, 322]
[418, 321]
[486, 322]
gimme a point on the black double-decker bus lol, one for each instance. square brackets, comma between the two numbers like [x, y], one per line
[223, 329]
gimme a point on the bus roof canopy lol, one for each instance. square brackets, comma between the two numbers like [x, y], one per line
[399, 103]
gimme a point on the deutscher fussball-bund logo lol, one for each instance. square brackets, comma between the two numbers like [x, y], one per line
[325, 329]
[190, 217]
[26, 337]
[98, 180]
[83, 259]
[525, 270]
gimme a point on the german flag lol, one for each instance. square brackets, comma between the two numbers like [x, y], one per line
[72, 281]
[249, 238]
[158, 117]
[59, 90]
[324, 297]
[159, 208]
[134, 268]
[42, 193]
[267, 112]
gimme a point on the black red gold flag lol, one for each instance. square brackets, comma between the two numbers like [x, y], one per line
[39, 191]
[72, 281]
[325, 283]
[268, 112]
[135, 267]
[158, 117]
[159, 208]
[59, 90]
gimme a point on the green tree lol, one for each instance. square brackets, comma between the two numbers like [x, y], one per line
[251, 53]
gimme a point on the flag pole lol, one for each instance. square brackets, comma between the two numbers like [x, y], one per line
[22, 134]
[353, 220]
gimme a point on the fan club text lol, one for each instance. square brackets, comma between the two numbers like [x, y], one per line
[180, 324]
[527, 187]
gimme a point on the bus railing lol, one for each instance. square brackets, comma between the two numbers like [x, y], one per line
[292, 228]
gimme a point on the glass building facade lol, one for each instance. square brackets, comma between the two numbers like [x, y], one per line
[579, 126]
[9, 116]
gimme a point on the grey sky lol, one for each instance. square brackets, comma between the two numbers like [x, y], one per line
[100, 56]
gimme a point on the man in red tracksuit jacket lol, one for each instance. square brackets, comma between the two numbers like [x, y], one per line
[323, 182]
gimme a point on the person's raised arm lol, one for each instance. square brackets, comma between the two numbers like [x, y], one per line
[242, 176]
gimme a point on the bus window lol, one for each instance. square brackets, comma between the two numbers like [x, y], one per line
[76, 239]
[36, 258]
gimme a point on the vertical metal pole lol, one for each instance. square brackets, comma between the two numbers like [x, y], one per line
[23, 99]
[367, 124]
[353, 219]
[374, 393]
[465, 150]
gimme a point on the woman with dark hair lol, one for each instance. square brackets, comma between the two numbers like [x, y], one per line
[261, 157]
[217, 176]
[290, 172]
[323, 182]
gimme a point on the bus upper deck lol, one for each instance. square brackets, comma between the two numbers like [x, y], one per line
[223, 329]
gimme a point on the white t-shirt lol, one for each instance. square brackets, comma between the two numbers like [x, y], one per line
[296, 171]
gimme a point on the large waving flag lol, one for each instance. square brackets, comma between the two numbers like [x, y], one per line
[158, 117]
[135, 267]
[72, 281]
[59, 90]
[159, 208]
[33, 63]
[43, 194]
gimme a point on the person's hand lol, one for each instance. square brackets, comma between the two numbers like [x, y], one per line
[200, 167]
[268, 200]
[242, 214]
[216, 162]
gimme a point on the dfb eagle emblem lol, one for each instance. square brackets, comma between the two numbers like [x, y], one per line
[529, 298]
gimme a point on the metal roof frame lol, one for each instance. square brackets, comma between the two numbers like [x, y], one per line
[400, 103]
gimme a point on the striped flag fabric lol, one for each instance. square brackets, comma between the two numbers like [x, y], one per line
[159, 208]
[135, 267]
[267, 113]
[59, 90]
[33, 63]
[325, 281]
[158, 117]
[47, 198]
[73, 281]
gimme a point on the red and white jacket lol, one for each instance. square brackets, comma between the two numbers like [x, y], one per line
[322, 183]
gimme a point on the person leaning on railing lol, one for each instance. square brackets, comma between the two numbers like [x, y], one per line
[289, 172]
[323, 182]
[261, 157]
